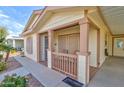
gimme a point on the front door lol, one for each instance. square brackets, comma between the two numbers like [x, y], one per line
[46, 46]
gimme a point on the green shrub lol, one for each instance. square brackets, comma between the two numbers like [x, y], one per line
[1, 57]
[13, 51]
[14, 81]
[3, 66]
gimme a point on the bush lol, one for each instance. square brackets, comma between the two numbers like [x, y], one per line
[1, 57]
[3, 66]
[14, 81]
[13, 51]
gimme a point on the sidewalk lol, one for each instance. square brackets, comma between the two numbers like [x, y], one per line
[46, 76]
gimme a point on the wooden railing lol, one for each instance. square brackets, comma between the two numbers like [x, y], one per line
[65, 63]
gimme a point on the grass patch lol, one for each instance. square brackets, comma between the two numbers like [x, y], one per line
[3, 66]
[14, 81]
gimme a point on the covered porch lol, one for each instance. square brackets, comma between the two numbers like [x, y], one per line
[110, 74]
[77, 43]
[70, 47]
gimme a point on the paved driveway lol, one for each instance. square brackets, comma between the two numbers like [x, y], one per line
[111, 74]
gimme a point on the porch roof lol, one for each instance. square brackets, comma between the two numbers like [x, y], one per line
[112, 17]
[47, 11]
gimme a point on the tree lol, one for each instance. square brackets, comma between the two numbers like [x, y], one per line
[3, 34]
[7, 49]
[3, 45]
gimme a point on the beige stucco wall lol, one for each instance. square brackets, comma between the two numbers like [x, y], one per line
[102, 46]
[103, 30]
[60, 18]
[109, 45]
[93, 46]
[32, 56]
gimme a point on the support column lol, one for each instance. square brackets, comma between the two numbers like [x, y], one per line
[83, 56]
[98, 47]
[50, 38]
[113, 46]
[14, 43]
[38, 47]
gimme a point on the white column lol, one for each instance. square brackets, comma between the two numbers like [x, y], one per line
[83, 69]
[83, 56]
[14, 45]
[50, 47]
[49, 58]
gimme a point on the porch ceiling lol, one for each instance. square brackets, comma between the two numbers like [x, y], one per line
[114, 17]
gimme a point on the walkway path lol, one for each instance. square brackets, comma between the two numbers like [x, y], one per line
[47, 76]
[19, 71]
[111, 74]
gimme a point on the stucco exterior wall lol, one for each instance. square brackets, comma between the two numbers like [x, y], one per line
[32, 56]
[102, 46]
[61, 18]
[103, 31]
[93, 46]
[109, 45]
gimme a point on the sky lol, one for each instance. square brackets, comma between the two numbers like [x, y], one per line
[14, 18]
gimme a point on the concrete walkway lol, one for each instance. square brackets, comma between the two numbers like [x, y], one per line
[19, 71]
[111, 74]
[46, 76]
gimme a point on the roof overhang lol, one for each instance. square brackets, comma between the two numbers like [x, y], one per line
[112, 17]
[34, 14]
[53, 9]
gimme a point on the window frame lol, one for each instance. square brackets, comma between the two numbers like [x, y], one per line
[29, 45]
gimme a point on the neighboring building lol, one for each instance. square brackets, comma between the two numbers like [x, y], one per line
[16, 42]
[73, 40]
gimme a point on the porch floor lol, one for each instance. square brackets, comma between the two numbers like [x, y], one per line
[111, 74]
[45, 75]
[93, 71]
[43, 63]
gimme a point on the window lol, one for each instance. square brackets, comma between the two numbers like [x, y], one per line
[29, 45]
[119, 43]
[69, 43]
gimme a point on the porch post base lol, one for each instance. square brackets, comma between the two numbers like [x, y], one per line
[83, 69]
[49, 59]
